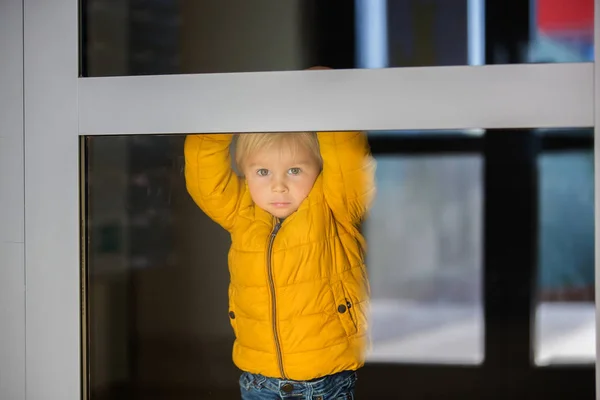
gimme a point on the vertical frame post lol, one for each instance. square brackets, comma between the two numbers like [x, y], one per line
[12, 247]
[596, 176]
[51, 195]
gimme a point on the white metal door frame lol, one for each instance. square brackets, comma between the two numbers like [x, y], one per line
[59, 107]
[12, 246]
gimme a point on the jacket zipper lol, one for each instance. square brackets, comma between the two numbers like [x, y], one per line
[273, 299]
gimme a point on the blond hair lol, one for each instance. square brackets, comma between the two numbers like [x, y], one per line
[248, 143]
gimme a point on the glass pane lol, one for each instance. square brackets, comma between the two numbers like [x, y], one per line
[566, 325]
[157, 274]
[584, 133]
[140, 37]
[425, 249]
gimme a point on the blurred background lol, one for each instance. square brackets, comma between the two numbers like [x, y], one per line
[481, 242]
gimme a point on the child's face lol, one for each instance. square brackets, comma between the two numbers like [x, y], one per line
[279, 179]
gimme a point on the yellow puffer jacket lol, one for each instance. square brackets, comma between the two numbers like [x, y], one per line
[298, 294]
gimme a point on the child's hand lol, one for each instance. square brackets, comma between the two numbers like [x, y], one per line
[317, 67]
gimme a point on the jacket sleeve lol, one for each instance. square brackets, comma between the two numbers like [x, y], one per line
[348, 174]
[210, 179]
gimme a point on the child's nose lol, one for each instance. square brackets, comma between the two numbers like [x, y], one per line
[279, 185]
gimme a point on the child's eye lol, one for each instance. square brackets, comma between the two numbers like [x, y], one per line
[294, 171]
[262, 172]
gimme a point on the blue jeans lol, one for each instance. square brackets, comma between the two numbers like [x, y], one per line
[338, 386]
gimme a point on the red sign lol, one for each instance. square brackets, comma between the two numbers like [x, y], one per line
[556, 16]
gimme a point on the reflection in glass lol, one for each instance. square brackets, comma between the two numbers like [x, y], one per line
[566, 327]
[123, 37]
[157, 271]
[424, 259]
[563, 31]
[157, 277]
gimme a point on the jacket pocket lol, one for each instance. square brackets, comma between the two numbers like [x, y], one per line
[232, 315]
[345, 308]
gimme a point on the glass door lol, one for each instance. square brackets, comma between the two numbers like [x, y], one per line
[127, 279]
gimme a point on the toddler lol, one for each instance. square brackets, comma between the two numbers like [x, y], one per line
[298, 293]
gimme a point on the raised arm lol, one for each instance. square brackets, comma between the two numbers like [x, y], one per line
[210, 180]
[348, 174]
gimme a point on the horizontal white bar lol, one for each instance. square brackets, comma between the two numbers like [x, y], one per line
[504, 96]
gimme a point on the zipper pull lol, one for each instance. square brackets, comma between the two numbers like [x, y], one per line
[276, 228]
